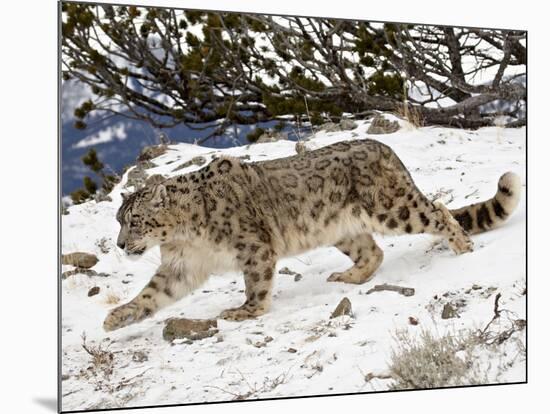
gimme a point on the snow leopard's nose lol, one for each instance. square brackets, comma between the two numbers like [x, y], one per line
[121, 244]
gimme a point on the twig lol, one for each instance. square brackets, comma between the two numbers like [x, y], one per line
[372, 375]
[495, 307]
[405, 291]
[472, 194]
[491, 338]
[496, 315]
[268, 385]
[308, 116]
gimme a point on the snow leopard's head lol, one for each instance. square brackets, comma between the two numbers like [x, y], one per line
[142, 218]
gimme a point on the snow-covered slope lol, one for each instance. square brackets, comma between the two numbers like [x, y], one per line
[309, 354]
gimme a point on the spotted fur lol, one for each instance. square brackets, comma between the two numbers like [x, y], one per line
[236, 216]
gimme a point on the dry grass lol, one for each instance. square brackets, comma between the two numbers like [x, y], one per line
[116, 393]
[428, 361]
[253, 390]
[431, 362]
[112, 299]
[501, 327]
[101, 359]
[410, 114]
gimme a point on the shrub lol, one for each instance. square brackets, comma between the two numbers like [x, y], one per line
[91, 160]
[431, 362]
[90, 185]
[79, 196]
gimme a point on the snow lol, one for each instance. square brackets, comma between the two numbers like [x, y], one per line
[332, 355]
[105, 135]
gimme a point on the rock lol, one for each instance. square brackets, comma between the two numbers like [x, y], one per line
[260, 344]
[155, 179]
[413, 320]
[520, 323]
[137, 175]
[93, 291]
[82, 271]
[100, 196]
[154, 151]
[343, 125]
[291, 350]
[405, 291]
[347, 124]
[286, 271]
[80, 259]
[140, 356]
[199, 160]
[381, 125]
[272, 137]
[103, 245]
[136, 178]
[449, 312]
[460, 303]
[330, 127]
[343, 308]
[68, 273]
[191, 329]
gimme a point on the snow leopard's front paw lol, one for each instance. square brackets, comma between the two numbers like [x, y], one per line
[125, 315]
[242, 313]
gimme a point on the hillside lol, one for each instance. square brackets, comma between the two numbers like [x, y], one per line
[296, 349]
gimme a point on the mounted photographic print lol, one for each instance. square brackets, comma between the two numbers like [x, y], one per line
[259, 206]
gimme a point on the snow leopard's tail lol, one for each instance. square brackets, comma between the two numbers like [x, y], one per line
[486, 215]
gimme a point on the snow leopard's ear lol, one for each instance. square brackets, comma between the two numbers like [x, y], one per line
[159, 196]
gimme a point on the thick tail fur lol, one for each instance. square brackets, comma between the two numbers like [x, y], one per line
[486, 215]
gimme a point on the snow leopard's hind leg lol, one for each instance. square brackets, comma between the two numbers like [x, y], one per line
[366, 256]
[399, 207]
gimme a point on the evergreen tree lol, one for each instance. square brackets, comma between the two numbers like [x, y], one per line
[91, 160]
[219, 69]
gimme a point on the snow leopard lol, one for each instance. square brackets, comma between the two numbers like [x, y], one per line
[233, 215]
